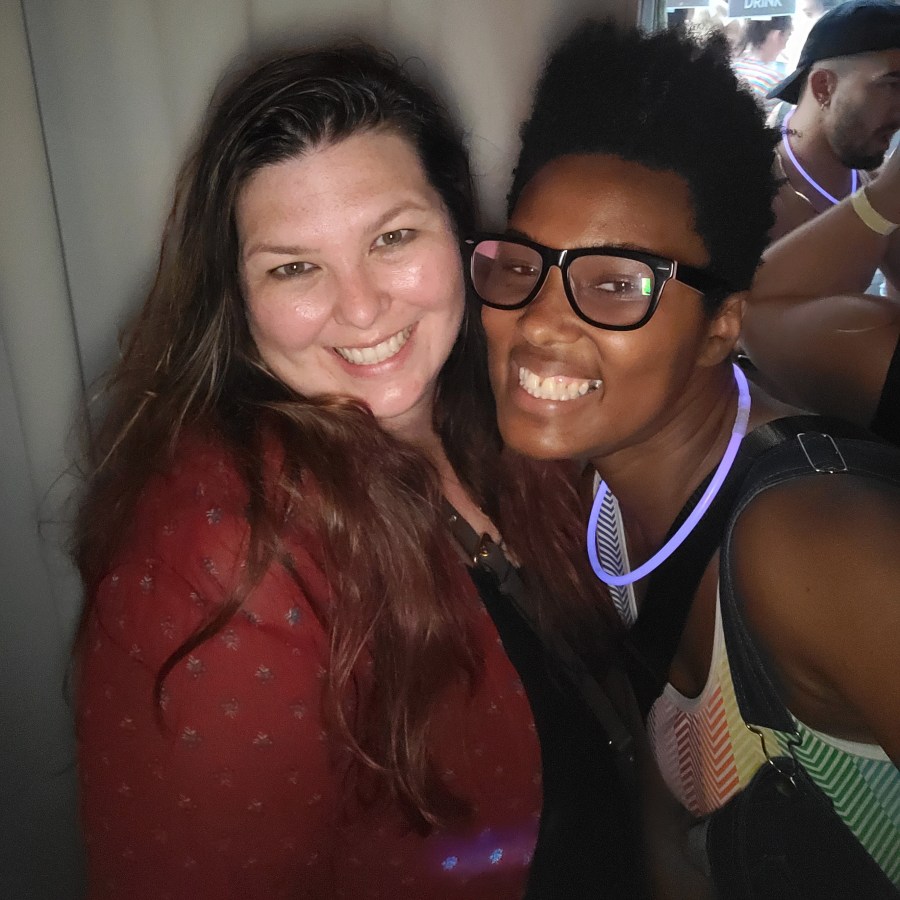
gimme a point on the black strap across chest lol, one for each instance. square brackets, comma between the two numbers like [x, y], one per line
[488, 556]
[589, 832]
[777, 451]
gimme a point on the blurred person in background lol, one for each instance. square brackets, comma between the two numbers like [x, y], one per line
[846, 92]
[816, 336]
[762, 42]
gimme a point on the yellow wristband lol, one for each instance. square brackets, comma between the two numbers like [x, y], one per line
[870, 217]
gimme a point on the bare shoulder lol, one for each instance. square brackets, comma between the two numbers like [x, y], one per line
[815, 562]
[791, 210]
[818, 531]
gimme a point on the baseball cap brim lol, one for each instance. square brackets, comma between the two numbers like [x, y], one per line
[790, 88]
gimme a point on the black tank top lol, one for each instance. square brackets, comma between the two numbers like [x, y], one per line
[586, 845]
[886, 422]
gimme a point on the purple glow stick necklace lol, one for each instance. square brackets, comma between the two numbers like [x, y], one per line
[854, 176]
[741, 420]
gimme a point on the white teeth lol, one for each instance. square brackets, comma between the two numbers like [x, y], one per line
[368, 356]
[556, 387]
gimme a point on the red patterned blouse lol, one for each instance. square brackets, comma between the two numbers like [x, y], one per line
[238, 793]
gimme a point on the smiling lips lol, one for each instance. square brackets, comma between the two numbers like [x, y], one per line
[369, 356]
[556, 387]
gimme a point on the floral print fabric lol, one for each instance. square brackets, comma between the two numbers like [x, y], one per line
[233, 785]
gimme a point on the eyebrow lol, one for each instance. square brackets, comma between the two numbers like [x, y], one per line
[626, 245]
[298, 250]
[276, 249]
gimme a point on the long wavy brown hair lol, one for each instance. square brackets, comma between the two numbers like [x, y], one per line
[188, 361]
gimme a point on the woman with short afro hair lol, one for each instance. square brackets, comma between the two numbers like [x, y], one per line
[612, 303]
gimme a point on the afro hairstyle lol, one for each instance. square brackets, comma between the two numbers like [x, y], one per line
[668, 101]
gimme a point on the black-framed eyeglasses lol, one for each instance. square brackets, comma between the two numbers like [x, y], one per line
[610, 287]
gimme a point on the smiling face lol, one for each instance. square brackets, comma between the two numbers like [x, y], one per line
[351, 275]
[566, 389]
[864, 112]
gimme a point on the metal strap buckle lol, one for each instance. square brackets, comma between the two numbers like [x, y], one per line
[776, 761]
[822, 452]
[482, 549]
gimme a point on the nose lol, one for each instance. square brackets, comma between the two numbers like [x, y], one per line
[360, 298]
[549, 319]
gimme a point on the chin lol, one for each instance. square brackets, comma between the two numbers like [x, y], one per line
[867, 162]
[540, 446]
[402, 413]
[388, 414]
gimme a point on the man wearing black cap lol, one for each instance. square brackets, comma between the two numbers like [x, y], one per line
[846, 88]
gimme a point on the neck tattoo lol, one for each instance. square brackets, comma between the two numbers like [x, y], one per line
[854, 175]
[738, 431]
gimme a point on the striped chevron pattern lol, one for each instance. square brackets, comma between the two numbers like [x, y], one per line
[704, 750]
[613, 556]
[865, 793]
[707, 753]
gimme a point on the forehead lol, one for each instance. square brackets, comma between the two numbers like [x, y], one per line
[354, 172]
[870, 66]
[595, 200]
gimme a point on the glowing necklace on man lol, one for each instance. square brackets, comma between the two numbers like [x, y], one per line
[854, 175]
[737, 434]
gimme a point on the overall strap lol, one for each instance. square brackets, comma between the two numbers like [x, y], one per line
[822, 452]
[484, 554]
[652, 642]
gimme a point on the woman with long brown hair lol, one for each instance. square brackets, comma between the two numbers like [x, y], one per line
[288, 683]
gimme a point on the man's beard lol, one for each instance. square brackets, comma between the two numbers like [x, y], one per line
[861, 161]
[847, 150]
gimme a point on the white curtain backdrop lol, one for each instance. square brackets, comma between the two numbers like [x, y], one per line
[98, 100]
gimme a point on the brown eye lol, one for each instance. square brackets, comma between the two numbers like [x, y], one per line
[293, 270]
[393, 238]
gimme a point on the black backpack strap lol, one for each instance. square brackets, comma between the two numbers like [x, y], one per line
[651, 643]
[819, 452]
[490, 558]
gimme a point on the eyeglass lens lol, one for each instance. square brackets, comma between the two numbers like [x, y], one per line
[609, 290]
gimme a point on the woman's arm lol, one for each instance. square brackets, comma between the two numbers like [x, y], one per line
[230, 790]
[816, 564]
